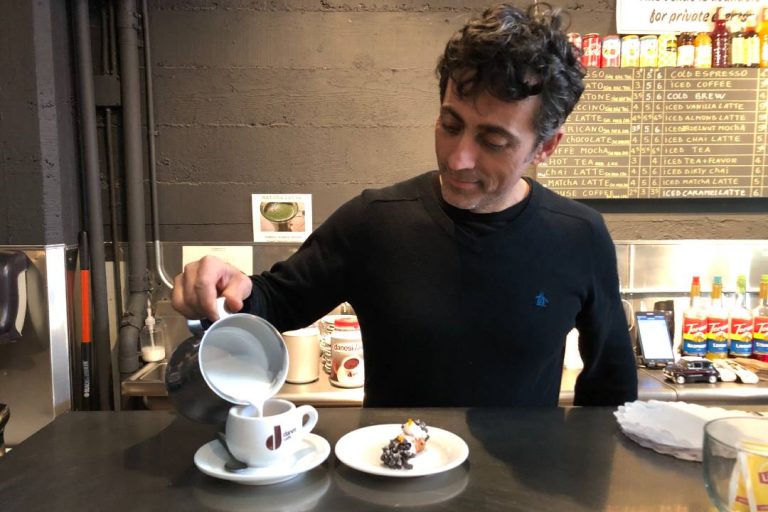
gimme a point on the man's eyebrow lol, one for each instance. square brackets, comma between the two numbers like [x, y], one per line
[444, 109]
[492, 128]
[486, 128]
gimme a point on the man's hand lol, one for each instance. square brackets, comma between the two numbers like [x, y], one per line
[195, 290]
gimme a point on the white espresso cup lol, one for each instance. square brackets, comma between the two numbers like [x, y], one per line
[264, 440]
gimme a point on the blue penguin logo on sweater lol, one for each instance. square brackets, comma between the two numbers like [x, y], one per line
[541, 300]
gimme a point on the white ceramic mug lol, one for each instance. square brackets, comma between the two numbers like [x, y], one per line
[303, 355]
[264, 440]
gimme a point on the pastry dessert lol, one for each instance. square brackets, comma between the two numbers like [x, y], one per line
[401, 449]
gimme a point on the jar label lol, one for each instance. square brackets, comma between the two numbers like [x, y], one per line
[347, 367]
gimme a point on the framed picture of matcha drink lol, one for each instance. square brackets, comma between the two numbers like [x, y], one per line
[281, 217]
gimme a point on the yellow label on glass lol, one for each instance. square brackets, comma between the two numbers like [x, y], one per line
[754, 470]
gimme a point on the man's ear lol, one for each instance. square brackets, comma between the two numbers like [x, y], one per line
[548, 147]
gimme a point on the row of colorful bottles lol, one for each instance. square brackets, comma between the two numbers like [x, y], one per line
[715, 331]
[737, 43]
[731, 43]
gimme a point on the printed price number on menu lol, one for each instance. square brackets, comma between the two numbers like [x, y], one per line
[666, 133]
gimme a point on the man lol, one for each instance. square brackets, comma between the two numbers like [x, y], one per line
[465, 280]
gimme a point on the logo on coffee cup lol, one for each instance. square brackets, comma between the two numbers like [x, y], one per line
[275, 440]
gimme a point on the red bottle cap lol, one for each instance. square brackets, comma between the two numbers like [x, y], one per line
[346, 323]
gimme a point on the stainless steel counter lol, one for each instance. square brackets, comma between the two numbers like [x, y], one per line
[321, 393]
[722, 393]
[648, 388]
[149, 383]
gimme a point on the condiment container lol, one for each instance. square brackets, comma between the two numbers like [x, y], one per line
[152, 338]
[347, 367]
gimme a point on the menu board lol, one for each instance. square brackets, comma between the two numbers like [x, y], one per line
[667, 133]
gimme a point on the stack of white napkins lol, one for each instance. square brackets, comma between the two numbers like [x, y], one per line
[673, 428]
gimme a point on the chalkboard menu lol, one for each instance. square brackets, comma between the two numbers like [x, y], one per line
[665, 133]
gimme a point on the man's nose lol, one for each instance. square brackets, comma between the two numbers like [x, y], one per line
[464, 154]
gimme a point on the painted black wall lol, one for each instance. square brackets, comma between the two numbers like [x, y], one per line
[288, 96]
[39, 197]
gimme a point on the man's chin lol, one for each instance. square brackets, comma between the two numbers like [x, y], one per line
[459, 201]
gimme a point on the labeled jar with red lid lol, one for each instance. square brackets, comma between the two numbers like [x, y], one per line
[347, 366]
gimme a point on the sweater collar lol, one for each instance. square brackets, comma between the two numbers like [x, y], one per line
[429, 187]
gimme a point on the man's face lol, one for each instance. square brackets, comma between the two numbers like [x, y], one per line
[483, 147]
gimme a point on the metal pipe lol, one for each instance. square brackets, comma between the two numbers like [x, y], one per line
[138, 286]
[108, 63]
[87, 110]
[112, 37]
[149, 93]
[109, 154]
[105, 69]
[112, 69]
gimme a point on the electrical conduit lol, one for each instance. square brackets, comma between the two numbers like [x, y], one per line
[138, 285]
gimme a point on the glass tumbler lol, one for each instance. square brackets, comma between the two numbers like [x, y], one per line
[735, 462]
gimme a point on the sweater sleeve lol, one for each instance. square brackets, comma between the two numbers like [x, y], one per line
[609, 376]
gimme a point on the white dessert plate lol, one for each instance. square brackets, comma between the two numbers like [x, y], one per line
[361, 450]
[311, 452]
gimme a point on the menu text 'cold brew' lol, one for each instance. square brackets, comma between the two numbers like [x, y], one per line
[665, 133]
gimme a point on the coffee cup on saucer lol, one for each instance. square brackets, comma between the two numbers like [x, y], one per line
[264, 439]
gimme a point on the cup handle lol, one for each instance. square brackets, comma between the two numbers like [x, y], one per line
[311, 412]
[198, 327]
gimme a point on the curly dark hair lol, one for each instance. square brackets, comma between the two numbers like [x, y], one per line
[512, 54]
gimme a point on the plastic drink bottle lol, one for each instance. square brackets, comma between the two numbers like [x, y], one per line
[721, 43]
[717, 323]
[760, 322]
[738, 48]
[702, 50]
[686, 50]
[762, 35]
[752, 46]
[741, 324]
[695, 323]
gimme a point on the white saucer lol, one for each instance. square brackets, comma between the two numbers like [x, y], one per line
[312, 451]
[361, 450]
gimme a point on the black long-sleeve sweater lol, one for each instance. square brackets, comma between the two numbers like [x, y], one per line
[457, 319]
